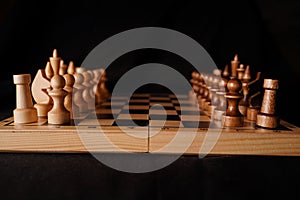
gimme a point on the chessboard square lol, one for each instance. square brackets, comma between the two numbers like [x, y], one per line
[161, 104]
[138, 103]
[133, 116]
[105, 116]
[160, 99]
[195, 124]
[136, 107]
[133, 101]
[126, 122]
[107, 111]
[140, 95]
[178, 96]
[162, 112]
[188, 112]
[163, 123]
[96, 122]
[163, 117]
[135, 111]
[162, 108]
[195, 118]
[186, 108]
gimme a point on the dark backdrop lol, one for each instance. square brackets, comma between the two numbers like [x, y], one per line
[265, 34]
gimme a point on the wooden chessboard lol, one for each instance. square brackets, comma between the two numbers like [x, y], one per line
[109, 128]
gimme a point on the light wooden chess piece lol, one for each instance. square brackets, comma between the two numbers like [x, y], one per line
[267, 117]
[38, 89]
[58, 114]
[68, 102]
[77, 93]
[24, 112]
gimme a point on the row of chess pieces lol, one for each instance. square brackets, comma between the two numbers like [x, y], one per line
[225, 96]
[59, 92]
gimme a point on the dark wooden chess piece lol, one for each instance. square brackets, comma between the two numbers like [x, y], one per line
[232, 116]
[267, 116]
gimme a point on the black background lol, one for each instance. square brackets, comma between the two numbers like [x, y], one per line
[265, 34]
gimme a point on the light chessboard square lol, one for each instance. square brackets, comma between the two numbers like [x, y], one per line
[133, 116]
[162, 112]
[195, 118]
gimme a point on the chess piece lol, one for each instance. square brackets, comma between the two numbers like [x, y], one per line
[62, 68]
[104, 93]
[24, 112]
[267, 116]
[240, 71]
[252, 109]
[234, 65]
[77, 93]
[87, 92]
[58, 114]
[68, 102]
[40, 96]
[49, 71]
[222, 104]
[233, 117]
[71, 68]
[225, 72]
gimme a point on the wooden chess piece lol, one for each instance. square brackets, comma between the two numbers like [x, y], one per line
[24, 112]
[87, 92]
[267, 116]
[58, 114]
[71, 68]
[77, 93]
[40, 95]
[240, 71]
[234, 65]
[252, 109]
[222, 103]
[233, 117]
[68, 102]
[104, 93]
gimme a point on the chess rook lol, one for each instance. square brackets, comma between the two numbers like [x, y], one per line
[267, 117]
[24, 112]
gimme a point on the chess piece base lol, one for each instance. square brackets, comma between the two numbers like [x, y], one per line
[267, 121]
[218, 114]
[59, 118]
[25, 115]
[252, 113]
[232, 121]
[43, 109]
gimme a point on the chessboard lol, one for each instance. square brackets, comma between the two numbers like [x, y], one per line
[149, 123]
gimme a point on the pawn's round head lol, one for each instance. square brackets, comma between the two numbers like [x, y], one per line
[57, 82]
[70, 80]
[234, 85]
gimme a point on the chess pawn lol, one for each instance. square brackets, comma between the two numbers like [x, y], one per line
[68, 102]
[77, 93]
[24, 112]
[222, 104]
[233, 117]
[267, 116]
[58, 114]
[87, 92]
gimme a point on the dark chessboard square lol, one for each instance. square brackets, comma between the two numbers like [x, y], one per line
[160, 100]
[165, 107]
[138, 103]
[188, 112]
[104, 116]
[195, 124]
[161, 117]
[135, 111]
[125, 122]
